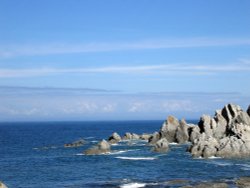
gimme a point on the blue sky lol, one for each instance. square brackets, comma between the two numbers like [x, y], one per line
[115, 60]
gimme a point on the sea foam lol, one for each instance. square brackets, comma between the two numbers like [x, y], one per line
[137, 158]
[133, 185]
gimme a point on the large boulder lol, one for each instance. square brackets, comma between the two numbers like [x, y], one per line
[114, 138]
[161, 145]
[101, 148]
[243, 182]
[154, 138]
[227, 134]
[194, 133]
[169, 129]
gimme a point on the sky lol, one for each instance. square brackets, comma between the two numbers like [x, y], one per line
[80, 60]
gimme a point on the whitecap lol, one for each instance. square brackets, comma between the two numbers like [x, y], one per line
[121, 151]
[244, 166]
[137, 158]
[173, 143]
[80, 154]
[133, 185]
[214, 157]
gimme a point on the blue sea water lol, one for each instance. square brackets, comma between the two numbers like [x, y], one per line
[32, 155]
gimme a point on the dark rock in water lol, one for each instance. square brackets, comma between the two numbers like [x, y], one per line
[114, 138]
[169, 128]
[101, 148]
[2, 185]
[77, 143]
[227, 134]
[161, 145]
[243, 182]
[154, 138]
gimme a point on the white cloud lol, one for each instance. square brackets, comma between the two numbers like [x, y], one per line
[169, 69]
[8, 51]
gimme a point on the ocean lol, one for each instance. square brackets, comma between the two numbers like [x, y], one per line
[32, 155]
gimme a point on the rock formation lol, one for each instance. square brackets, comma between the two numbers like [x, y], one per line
[227, 134]
[114, 138]
[172, 130]
[131, 136]
[101, 148]
[161, 145]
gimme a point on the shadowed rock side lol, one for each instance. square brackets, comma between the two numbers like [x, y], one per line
[114, 138]
[101, 148]
[2, 185]
[227, 134]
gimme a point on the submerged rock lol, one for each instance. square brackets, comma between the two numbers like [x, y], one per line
[227, 134]
[161, 145]
[101, 148]
[114, 138]
[77, 143]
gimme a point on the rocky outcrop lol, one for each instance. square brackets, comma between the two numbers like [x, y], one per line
[161, 145]
[169, 129]
[154, 138]
[114, 138]
[145, 136]
[101, 148]
[2, 185]
[131, 136]
[173, 130]
[227, 134]
[77, 143]
[248, 110]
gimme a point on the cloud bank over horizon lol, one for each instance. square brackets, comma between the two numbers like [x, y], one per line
[66, 104]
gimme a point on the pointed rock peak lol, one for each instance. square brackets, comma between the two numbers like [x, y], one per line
[171, 119]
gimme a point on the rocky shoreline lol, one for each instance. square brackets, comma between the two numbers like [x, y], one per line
[226, 135]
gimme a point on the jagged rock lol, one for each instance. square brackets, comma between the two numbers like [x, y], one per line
[227, 134]
[161, 145]
[127, 136]
[135, 136]
[2, 185]
[145, 136]
[205, 146]
[182, 132]
[169, 128]
[100, 148]
[154, 138]
[114, 138]
[194, 133]
[77, 143]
